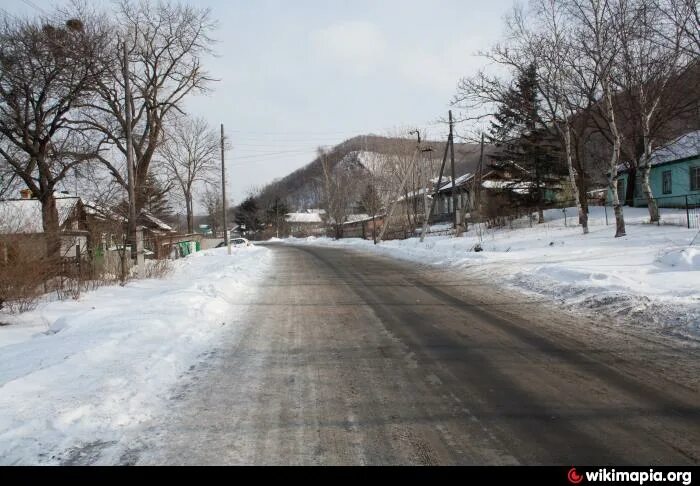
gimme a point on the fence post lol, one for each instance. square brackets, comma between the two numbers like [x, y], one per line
[687, 211]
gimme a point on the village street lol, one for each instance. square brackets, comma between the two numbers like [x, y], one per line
[346, 358]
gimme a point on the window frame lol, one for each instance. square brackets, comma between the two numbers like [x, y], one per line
[664, 188]
[694, 177]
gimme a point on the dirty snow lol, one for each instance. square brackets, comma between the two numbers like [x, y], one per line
[648, 279]
[78, 377]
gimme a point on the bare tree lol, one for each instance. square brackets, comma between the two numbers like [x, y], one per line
[213, 205]
[651, 56]
[48, 69]
[190, 154]
[595, 36]
[165, 43]
[371, 203]
[678, 15]
[339, 184]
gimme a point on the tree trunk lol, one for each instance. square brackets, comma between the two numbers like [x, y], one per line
[646, 189]
[645, 171]
[582, 215]
[582, 186]
[190, 213]
[374, 231]
[614, 160]
[49, 214]
[617, 205]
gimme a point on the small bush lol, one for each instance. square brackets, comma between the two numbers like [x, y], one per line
[157, 268]
[22, 274]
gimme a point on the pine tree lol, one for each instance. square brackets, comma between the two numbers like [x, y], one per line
[247, 215]
[526, 148]
[154, 195]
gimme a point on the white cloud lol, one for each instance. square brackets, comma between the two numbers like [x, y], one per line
[356, 46]
[440, 69]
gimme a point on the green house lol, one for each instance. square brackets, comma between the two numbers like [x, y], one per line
[674, 176]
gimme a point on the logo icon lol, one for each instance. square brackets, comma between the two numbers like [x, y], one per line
[574, 477]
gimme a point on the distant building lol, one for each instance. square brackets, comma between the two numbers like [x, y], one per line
[311, 222]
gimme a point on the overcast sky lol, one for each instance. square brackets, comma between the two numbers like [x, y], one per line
[298, 74]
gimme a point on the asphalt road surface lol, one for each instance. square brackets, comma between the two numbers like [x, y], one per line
[345, 358]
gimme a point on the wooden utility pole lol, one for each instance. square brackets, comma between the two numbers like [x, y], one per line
[452, 164]
[439, 183]
[223, 192]
[426, 206]
[131, 224]
[479, 171]
[476, 187]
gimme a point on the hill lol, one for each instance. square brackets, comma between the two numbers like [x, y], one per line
[301, 188]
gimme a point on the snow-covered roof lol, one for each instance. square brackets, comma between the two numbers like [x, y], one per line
[685, 146]
[458, 181]
[303, 218]
[24, 215]
[161, 225]
[356, 218]
[413, 194]
[102, 212]
[519, 187]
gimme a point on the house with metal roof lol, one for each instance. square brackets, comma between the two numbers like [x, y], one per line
[674, 174]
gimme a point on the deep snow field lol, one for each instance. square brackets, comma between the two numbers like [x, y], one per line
[94, 370]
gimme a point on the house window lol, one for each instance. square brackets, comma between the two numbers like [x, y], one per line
[695, 178]
[667, 185]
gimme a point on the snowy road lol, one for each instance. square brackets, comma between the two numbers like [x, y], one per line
[346, 358]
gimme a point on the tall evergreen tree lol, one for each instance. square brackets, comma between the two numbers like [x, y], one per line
[248, 214]
[526, 148]
[154, 195]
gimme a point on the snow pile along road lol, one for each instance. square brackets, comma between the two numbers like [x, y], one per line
[76, 377]
[650, 278]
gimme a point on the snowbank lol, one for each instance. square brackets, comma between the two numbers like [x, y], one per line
[80, 375]
[649, 278]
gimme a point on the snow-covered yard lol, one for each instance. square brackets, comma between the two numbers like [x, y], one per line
[92, 371]
[649, 278]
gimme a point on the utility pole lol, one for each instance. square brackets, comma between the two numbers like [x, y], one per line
[223, 191]
[131, 225]
[452, 163]
[474, 195]
[439, 183]
[426, 206]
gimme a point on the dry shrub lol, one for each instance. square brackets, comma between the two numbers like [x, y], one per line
[157, 268]
[23, 272]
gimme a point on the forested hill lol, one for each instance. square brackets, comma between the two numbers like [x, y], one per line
[300, 188]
